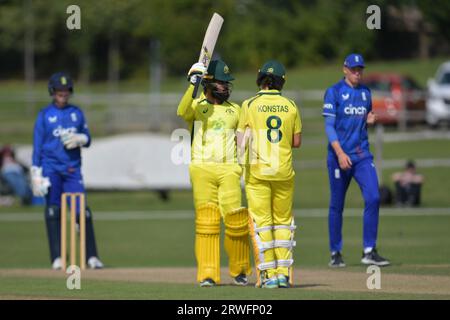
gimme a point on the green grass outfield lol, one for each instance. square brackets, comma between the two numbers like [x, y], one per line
[311, 191]
[416, 241]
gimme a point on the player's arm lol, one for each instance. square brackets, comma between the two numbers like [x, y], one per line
[85, 131]
[243, 133]
[39, 183]
[329, 113]
[185, 108]
[38, 139]
[297, 137]
[344, 160]
[80, 139]
[371, 116]
[297, 140]
[243, 138]
[240, 130]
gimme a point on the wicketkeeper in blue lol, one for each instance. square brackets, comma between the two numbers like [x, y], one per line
[347, 111]
[60, 132]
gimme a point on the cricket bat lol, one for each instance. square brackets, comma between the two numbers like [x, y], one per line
[209, 42]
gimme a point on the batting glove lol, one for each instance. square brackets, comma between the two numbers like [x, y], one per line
[39, 183]
[74, 140]
[197, 71]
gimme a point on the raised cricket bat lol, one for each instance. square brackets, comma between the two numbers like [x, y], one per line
[209, 42]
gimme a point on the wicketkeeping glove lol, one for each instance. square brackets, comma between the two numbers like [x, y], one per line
[74, 140]
[39, 184]
[197, 71]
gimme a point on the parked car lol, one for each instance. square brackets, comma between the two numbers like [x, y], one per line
[390, 92]
[438, 102]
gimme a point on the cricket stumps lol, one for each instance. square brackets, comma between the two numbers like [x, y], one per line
[72, 199]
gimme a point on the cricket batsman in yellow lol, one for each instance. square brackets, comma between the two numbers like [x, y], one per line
[268, 129]
[215, 174]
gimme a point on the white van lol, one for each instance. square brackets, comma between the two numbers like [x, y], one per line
[438, 102]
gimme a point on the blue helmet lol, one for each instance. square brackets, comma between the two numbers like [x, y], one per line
[60, 81]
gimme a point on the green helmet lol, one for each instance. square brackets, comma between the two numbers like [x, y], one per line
[273, 67]
[272, 74]
[218, 70]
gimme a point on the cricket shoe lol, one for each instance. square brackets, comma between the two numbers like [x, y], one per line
[270, 283]
[57, 264]
[283, 281]
[373, 258]
[240, 280]
[95, 263]
[207, 283]
[336, 260]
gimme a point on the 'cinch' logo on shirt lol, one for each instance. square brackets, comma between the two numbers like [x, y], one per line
[60, 131]
[355, 110]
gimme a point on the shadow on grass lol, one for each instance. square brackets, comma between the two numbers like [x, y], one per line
[296, 286]
[309, 285]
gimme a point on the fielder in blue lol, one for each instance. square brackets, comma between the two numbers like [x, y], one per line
[59, 133]
[347, 111]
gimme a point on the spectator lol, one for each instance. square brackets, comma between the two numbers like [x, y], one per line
[13, 174]
[408, 185]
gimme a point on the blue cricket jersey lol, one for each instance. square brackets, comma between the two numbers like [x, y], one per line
[350, 107]
[48, 150]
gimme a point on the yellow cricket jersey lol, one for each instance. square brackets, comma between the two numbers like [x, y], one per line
[212, 128]
[273, 120]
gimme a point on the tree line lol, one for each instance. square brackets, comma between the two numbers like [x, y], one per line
[118, 38]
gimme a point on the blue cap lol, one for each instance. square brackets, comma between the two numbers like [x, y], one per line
[354, 60]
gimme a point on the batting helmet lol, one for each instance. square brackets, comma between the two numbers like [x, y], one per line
[272, 74]
[218, 71]
[60, 81]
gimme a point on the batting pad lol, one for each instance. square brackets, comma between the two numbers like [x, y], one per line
[207, 237]
[284, 245]
[263, 244]
[236, 241]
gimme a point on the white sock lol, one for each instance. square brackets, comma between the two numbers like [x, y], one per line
[367, 250]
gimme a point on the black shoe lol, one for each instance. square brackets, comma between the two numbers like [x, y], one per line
[207, 283]
[373, 258]
[241, 280]
[336, 260]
